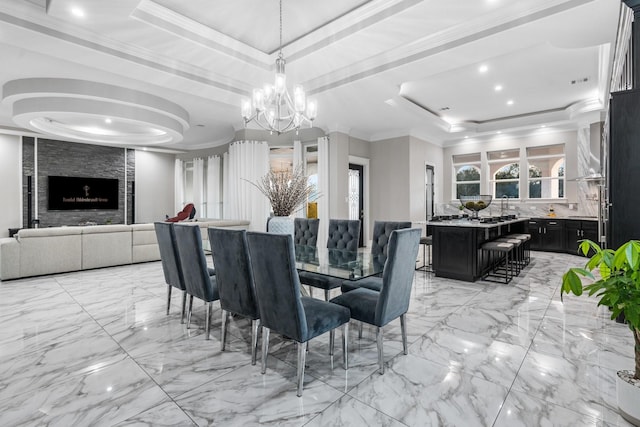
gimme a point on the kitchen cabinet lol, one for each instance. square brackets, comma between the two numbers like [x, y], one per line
[576, 230]
[624, 158]
[546, 234]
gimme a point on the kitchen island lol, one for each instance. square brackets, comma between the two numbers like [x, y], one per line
[457, 245]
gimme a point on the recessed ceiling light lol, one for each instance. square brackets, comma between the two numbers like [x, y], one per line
[483, 69]
[466, 137]
[498, 88]
[499, 132]
[77, 12]
[543, 126]
[510, 102]
[107, 121]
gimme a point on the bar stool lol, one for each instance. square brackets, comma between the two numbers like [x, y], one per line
[525, 239]
[498, 252]
[427, 242]
[517, 258]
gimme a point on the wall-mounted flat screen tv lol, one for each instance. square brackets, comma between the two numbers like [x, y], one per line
[76, 193]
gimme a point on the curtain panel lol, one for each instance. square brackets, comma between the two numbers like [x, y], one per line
[214, 189]
[248, 162]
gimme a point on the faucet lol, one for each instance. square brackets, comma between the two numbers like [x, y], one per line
[504, 202]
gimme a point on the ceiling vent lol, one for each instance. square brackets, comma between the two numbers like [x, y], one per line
[580, 80]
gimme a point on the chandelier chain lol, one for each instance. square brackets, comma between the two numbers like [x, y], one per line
[280, 27]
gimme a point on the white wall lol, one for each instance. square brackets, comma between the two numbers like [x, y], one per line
[390, 180]
[11, 179]
[154, 186]
[423, 153]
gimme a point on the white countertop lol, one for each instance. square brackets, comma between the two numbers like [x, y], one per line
[473, 224]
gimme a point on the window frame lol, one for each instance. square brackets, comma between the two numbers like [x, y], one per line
[454, 169]
[560, 178]
[506, 161]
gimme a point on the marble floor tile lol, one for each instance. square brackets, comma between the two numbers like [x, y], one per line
[97, 348]
[167, 414]
[582, 386]
[245, 397]
[473, 354]
[101, 397]
[418, 392]
[348, 412]
[522, 410]
[24, 373]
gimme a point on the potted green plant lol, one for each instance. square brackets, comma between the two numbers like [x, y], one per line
[617, 285]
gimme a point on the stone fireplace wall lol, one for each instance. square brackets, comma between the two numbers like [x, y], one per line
[59, 158]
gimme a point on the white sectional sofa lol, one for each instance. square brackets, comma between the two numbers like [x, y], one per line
[38, 251]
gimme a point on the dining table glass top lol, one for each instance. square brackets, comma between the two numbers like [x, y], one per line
[342, 264]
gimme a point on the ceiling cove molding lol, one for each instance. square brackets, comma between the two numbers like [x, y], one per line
[488, 25]
[86, 111]
[186, 28]
[131, 53]
[348, 24]
[344, 26]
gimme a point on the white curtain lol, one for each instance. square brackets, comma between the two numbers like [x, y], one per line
[323, 188]
[298, 161]
[198, 187]
[179, 186]
[225, 186]
[213, 187]
[248, 162]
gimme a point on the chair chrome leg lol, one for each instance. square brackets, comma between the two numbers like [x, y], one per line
[207, 325]
[360, 331]
[225, 328]
[403, 329]
[302, 355]
[168, 298]
[326, 294]
[189, 312]
[265, 348]
[380, 350]
[255, 326]
[345, 345]
[184, 305]
[332, 338]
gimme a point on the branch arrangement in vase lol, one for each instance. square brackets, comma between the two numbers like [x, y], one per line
[286, 190]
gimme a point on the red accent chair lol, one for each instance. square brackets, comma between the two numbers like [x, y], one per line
[188, 212]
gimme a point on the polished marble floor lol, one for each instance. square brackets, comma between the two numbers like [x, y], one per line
[96, 348]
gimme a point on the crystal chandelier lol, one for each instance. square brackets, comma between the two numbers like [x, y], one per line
[273, 109]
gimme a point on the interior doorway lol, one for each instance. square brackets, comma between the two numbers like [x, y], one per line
[356, 197]
[430, 192]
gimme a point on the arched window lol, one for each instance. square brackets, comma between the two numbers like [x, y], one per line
[466, 169]
[506, 181]
[546, 172]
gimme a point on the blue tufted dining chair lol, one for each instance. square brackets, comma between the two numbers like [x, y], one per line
[234, 278]
[282, 308]
[392, 301]
[170, 264]
[343, 235]
[197, 280]
[305, 231]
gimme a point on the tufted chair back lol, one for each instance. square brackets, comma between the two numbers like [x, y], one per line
[306, 231]
[343, 234]
[381, 233]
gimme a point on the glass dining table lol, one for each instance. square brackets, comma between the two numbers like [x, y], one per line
[338, 263]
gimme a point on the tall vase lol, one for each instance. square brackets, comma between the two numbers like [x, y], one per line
[281, 225]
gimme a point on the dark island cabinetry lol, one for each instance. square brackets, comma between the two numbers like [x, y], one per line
[546, 234]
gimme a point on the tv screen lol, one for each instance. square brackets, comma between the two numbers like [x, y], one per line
[70, 192]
